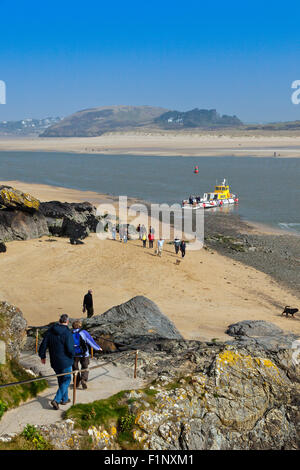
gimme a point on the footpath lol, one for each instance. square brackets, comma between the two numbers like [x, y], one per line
[103, 382]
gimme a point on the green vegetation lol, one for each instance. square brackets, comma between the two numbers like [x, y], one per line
[112, 413]
[11, 397]
[104, 412]
[29, 439]
[31, 435]
[150, 391]
[3, 408]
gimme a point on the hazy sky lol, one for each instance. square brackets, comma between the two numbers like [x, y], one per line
[240, 57]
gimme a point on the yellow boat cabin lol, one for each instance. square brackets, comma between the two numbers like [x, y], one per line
[222, 191]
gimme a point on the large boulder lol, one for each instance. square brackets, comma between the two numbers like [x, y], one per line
[12, 329]
[261, 333]
[19, 225]
[14, 199]
[73, 220]
[253, 328]
[134, 322]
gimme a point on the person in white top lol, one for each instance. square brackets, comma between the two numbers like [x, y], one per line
[160, 244]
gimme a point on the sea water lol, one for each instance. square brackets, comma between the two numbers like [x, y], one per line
[268, 187]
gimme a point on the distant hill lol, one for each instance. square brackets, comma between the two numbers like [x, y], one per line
[26, 127]
[96, 121]
[208, 118]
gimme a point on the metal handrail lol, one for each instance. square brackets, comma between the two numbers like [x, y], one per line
[74, 372]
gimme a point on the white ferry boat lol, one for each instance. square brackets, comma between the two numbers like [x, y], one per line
[219, 197]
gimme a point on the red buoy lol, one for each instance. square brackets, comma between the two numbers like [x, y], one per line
[196, 169]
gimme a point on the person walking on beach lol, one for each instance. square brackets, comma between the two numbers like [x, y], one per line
[144, 239]
[182, 248]
[123, 233]
[177, 245]
[160, 244]
[151, 239]
[120, 233]
[88, 305]
[82, 342]
[59, 340]
[138, 229]
[113, 232]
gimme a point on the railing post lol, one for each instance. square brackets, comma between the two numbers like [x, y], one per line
[36, 341]
[135, 363]
[92, 353]
[74, 387]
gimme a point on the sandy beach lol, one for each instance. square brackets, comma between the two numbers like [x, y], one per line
[168, 143]
[202, 295]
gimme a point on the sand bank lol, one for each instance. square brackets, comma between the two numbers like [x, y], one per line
[202, 295]
[166, 144]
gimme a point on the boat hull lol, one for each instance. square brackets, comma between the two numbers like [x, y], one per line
[209, 204]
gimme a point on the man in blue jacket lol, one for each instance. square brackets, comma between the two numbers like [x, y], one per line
[82, 341]
[59, 340]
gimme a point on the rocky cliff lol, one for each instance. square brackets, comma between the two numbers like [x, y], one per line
[234, 395]
[23, 217]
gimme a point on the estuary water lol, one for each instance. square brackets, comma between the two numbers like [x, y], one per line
[268, 188]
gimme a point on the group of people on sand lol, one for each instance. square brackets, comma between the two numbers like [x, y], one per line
[68, 349]
[151, 239]
[180, 245]
[143, 236]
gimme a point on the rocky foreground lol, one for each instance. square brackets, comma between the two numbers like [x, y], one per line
[239, 394]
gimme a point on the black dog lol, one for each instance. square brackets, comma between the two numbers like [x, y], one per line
[289, 311]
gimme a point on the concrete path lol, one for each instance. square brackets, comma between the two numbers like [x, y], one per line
[103, 382]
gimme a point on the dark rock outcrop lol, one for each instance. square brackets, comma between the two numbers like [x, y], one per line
[2, 247]
[73, 220]
[20, 218]
[19, 225]
[134, 322]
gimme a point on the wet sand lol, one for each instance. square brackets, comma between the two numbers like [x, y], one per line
[167, 143]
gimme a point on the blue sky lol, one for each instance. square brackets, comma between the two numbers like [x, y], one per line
[239, 57]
